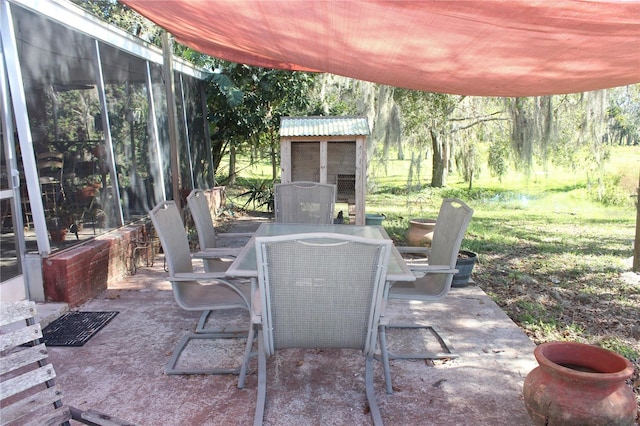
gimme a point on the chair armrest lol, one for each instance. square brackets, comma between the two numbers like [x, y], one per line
[218, 277]
[198, 276]
[216, 253]
[234, 234]
[410, 249]
[256, 318]
[256, 307]
[434, 269]
[421, 270]
[414, 249]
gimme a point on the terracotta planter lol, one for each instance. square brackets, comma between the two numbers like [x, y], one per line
[578, 384]
[420, 232]
[86, 193]
[58, 235]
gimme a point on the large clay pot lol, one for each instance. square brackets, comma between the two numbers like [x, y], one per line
[420, 232]
[578, 384]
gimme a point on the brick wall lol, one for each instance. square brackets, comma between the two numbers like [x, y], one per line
[80, 273]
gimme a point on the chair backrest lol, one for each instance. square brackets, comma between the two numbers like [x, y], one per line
[451, 226]
[50, 166]
[321, 290]
[304, 202]
[167, 222]
[199, 208]
[28, 371]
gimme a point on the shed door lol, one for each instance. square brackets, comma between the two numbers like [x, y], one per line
[305, 161]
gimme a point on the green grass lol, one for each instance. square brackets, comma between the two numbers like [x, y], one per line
[549, 255]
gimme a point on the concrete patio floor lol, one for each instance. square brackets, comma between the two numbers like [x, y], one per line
[120, 371]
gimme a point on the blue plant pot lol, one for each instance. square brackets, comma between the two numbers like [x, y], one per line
[373, 219]
[464, 265]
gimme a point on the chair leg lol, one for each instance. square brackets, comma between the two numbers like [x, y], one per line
[171, 368]
[221, 331]
[386, 355]
[385, 358]
[371, 394]
[262, 382]
[202, 321]
[247, 356]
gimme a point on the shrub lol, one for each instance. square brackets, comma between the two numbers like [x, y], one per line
[610, 192]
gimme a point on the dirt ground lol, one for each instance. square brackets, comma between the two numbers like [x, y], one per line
[611, 316]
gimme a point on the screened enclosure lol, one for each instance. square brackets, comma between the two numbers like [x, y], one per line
[85, 129]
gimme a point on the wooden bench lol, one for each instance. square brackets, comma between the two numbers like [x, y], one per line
[28, 394]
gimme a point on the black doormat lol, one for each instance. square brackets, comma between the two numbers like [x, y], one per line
[75, 328]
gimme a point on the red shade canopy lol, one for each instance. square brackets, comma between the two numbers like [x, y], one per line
[471, 47]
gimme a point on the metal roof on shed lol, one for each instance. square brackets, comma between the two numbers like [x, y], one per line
[324, 126]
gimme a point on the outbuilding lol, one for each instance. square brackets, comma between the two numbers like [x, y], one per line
[331, 149]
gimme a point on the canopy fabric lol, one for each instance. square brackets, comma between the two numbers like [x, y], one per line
[470, 47]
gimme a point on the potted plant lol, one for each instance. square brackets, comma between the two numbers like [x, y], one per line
[374, 219]
[88, 190]
[70, 217]
[579, 384]
[464, 265]
[83, 214]
[58, 221]
[420, 234]
[57, 232]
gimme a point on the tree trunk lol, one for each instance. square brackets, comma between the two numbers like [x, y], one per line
[437, 176]
[232, 165]
[274, 160]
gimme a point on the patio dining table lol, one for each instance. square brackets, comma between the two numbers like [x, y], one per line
[245, 265]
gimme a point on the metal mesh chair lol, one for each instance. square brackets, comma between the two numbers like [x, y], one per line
[312, 296]
[207, 235]
[188, 291]
[434, 274]
[28, 393]
[304, 202]
[214, 259]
